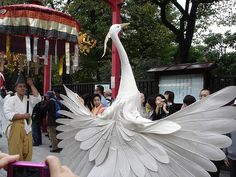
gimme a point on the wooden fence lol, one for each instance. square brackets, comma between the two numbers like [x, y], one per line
[148, 87]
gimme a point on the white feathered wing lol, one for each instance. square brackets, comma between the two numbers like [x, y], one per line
[121, 143]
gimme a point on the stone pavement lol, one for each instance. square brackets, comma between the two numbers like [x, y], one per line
[40, 152]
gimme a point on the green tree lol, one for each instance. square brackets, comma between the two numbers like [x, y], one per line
[220, 48]
[161, 32]
[185, 25]
[145, 47]
[9, 2]
[95, 19]
[147, 41]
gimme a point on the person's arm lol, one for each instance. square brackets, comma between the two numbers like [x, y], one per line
[56, 169]
[5, 159]
[227, 162]
[21, 116]
[165, 108]
[36, 98]
[33, 88]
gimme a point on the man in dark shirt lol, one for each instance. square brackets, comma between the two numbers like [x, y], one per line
[51, 117]
[38, 114]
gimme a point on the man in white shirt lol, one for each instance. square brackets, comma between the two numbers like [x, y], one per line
[4, 120]
[15, 110]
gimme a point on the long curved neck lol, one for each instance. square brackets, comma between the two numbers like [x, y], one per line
[128, 85]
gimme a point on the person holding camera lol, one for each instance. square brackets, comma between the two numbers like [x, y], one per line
[6, 159]
[161, 110]
[54, 164]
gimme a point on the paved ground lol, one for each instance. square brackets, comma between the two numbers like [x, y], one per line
[40, 152]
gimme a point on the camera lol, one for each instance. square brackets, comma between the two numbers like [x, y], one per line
[28, 169]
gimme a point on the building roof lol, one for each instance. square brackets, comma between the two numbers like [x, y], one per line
[183, 67]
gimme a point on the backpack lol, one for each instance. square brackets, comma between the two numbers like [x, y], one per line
[57, 107]
[36, 112]
[39, 111]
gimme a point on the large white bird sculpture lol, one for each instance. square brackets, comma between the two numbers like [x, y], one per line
[120, 143]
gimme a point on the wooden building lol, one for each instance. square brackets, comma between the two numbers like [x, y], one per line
[183, 79]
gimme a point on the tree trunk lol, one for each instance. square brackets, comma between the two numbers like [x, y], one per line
[182, 52]
[185, 35]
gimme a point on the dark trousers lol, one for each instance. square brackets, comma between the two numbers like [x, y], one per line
[218, 165]
[52, 136]
[232, 168]
[36, 133]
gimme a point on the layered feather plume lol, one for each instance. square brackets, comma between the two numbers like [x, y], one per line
[120, 143]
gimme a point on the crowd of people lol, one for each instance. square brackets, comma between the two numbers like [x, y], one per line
[162, 105]
[43, 113]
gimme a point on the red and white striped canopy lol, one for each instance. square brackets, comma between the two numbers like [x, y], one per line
[37, 21]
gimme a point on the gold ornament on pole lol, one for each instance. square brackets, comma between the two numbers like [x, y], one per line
[85, 43]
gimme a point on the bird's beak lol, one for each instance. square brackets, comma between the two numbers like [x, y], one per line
[124, 25]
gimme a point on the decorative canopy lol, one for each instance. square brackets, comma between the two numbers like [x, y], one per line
[37, 21]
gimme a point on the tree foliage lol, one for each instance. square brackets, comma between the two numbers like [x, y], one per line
[147, 41]
[220, 48]
[185, 25]
[9, 2]
[95, 19]
[161, 32]
[145, 47]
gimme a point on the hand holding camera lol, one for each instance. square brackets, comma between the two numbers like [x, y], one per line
[52, 167]
[6, 159]
[56, 169]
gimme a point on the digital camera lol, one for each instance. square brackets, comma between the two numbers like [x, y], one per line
[28, 169]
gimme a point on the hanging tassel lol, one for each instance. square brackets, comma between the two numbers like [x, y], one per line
[28, 48]
[76, 58]
[61, 66]
[37, 66]
[8, 52]
[51, 57]
[46, 52]
[67, 48]
[2, 63]
[73, 69]
[35, 53]
[56, 52]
